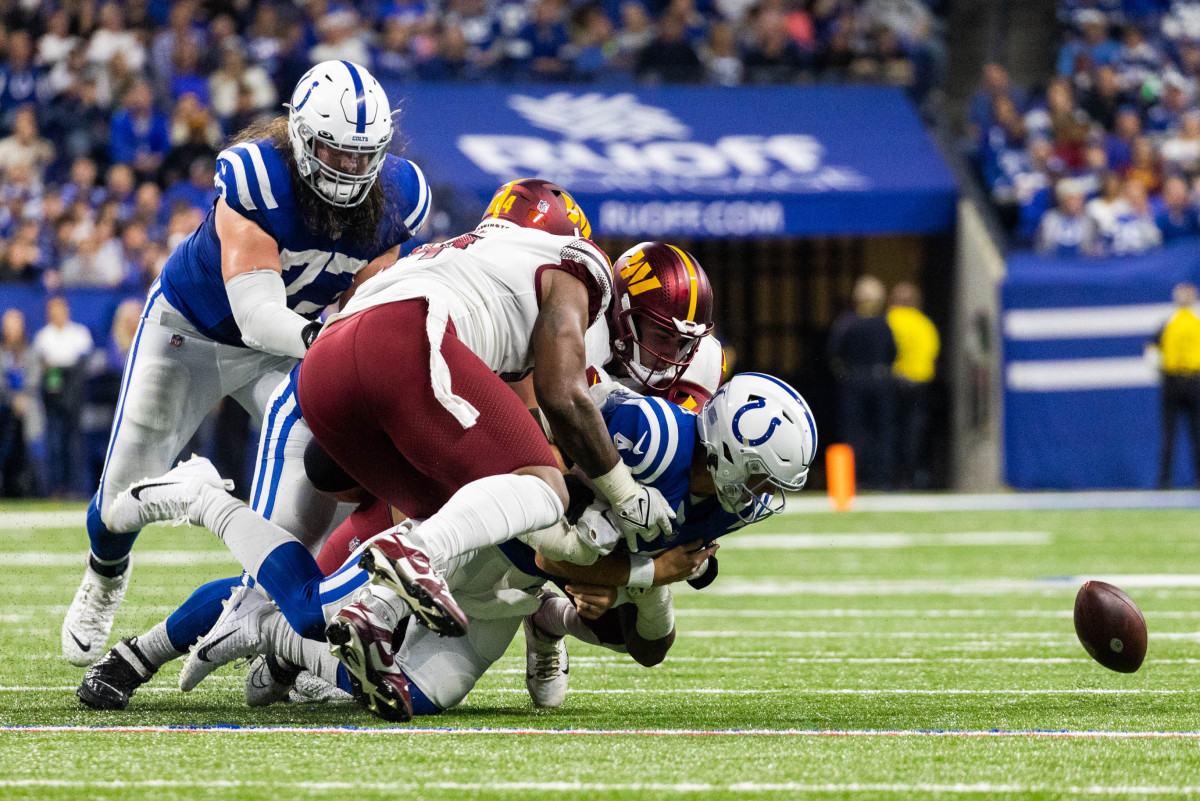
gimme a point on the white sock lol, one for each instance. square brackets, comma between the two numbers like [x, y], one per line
[281, 639]
[488, 511]
[246, 533]
[156, 646]
[656, 612]
[558, 617]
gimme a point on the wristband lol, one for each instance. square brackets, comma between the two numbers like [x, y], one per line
[617, 484]
[641, 571]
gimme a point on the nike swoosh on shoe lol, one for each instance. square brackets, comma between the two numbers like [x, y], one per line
[83, 647]
[136, 489]
[202, 654]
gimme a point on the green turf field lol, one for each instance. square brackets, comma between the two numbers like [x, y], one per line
[847, 650]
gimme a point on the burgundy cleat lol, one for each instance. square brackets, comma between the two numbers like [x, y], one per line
[394, 562]
[362, 642]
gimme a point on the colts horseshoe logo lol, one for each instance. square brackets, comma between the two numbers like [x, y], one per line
[754, 404]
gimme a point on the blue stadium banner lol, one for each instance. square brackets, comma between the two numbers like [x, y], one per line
[695, 162]
[1081, 398]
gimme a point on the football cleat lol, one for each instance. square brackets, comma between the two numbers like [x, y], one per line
[235, 635]
[168, 498]
[111, 682]
[312, 689]
[547, 666]
[361, 640]
[395, 563]
[270, 680]
[89, 619]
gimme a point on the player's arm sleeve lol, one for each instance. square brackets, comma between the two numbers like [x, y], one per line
[647, 436]
[417, 198]
[591, 266]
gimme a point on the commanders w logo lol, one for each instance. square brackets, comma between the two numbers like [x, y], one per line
[639, 275]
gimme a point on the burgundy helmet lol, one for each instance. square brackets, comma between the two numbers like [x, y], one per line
[660, 293]
[689, 395]
[534, 203]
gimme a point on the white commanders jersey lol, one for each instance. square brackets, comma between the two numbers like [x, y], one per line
[486, 282]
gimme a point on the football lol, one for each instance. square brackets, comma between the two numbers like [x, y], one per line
[1110, 626]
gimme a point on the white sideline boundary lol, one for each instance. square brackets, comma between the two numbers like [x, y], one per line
[868, 691]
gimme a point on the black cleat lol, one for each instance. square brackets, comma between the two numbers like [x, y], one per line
[112, 681]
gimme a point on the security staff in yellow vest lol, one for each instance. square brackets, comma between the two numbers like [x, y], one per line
[1179, 345]
[917, 347]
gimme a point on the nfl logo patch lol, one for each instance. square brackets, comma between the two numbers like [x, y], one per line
[176, 341]
[543, 206]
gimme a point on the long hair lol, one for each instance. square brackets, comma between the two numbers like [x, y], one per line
[359, 224]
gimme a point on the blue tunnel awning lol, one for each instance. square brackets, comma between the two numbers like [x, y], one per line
[697, 162]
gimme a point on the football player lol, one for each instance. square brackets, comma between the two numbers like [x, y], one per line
[668, 285]
[311, 204]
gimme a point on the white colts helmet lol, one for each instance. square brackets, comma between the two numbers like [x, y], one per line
[761, 438]
[340, 125]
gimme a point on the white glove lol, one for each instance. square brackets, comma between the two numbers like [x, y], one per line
[638, 510]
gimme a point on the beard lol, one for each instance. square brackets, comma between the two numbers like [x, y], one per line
[358, 225]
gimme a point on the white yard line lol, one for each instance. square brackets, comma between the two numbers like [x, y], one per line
[753, 691]
[866, 788]
[736, 586]
[141, 557]
[878, 540]
[808, 503]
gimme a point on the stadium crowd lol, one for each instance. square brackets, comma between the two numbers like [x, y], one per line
[111, 115]
[1106, 161]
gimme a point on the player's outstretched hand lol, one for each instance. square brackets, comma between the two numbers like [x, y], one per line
[681, 562]
[646, 515]
[591, 600]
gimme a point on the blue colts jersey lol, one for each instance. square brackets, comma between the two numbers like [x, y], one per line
[657, 441]
[254, 181]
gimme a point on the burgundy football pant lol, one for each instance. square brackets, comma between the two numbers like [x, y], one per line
[365, 391]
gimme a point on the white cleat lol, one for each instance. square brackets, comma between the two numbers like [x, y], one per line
[547, 667]
[270, 680]
[166, 499]
[89, 619]
[312, 689]
[236, 635]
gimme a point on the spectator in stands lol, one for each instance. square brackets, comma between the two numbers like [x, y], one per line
[1178, 343]
[861, 352]
[104, 373]
[1167, 115]
[187, 73]
[1102, 102]
[1134, 231]
[1110, 204]
[139, 133]
[636, 34]
[112, 37]
[341, 39]
[1176, 214]
[392, 59]
[119, 187]
[1181, 151]
[917, 348]
[97, 260]
[17, 478]
[596, 48]
[1059, 120]
[544, 41]
[996, 85]
[57, 42]
[1118, 144]
[21, 82]
[721, 56]
[669, 58]
[1093, 49]
[234, 75]
[1146, 168]
[82, 186]
[181, 28]
[61, 348]
[775, 57]
[1137, 60]
[1067, 231]
[25, 146]
[197, 190]
[23, 257]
